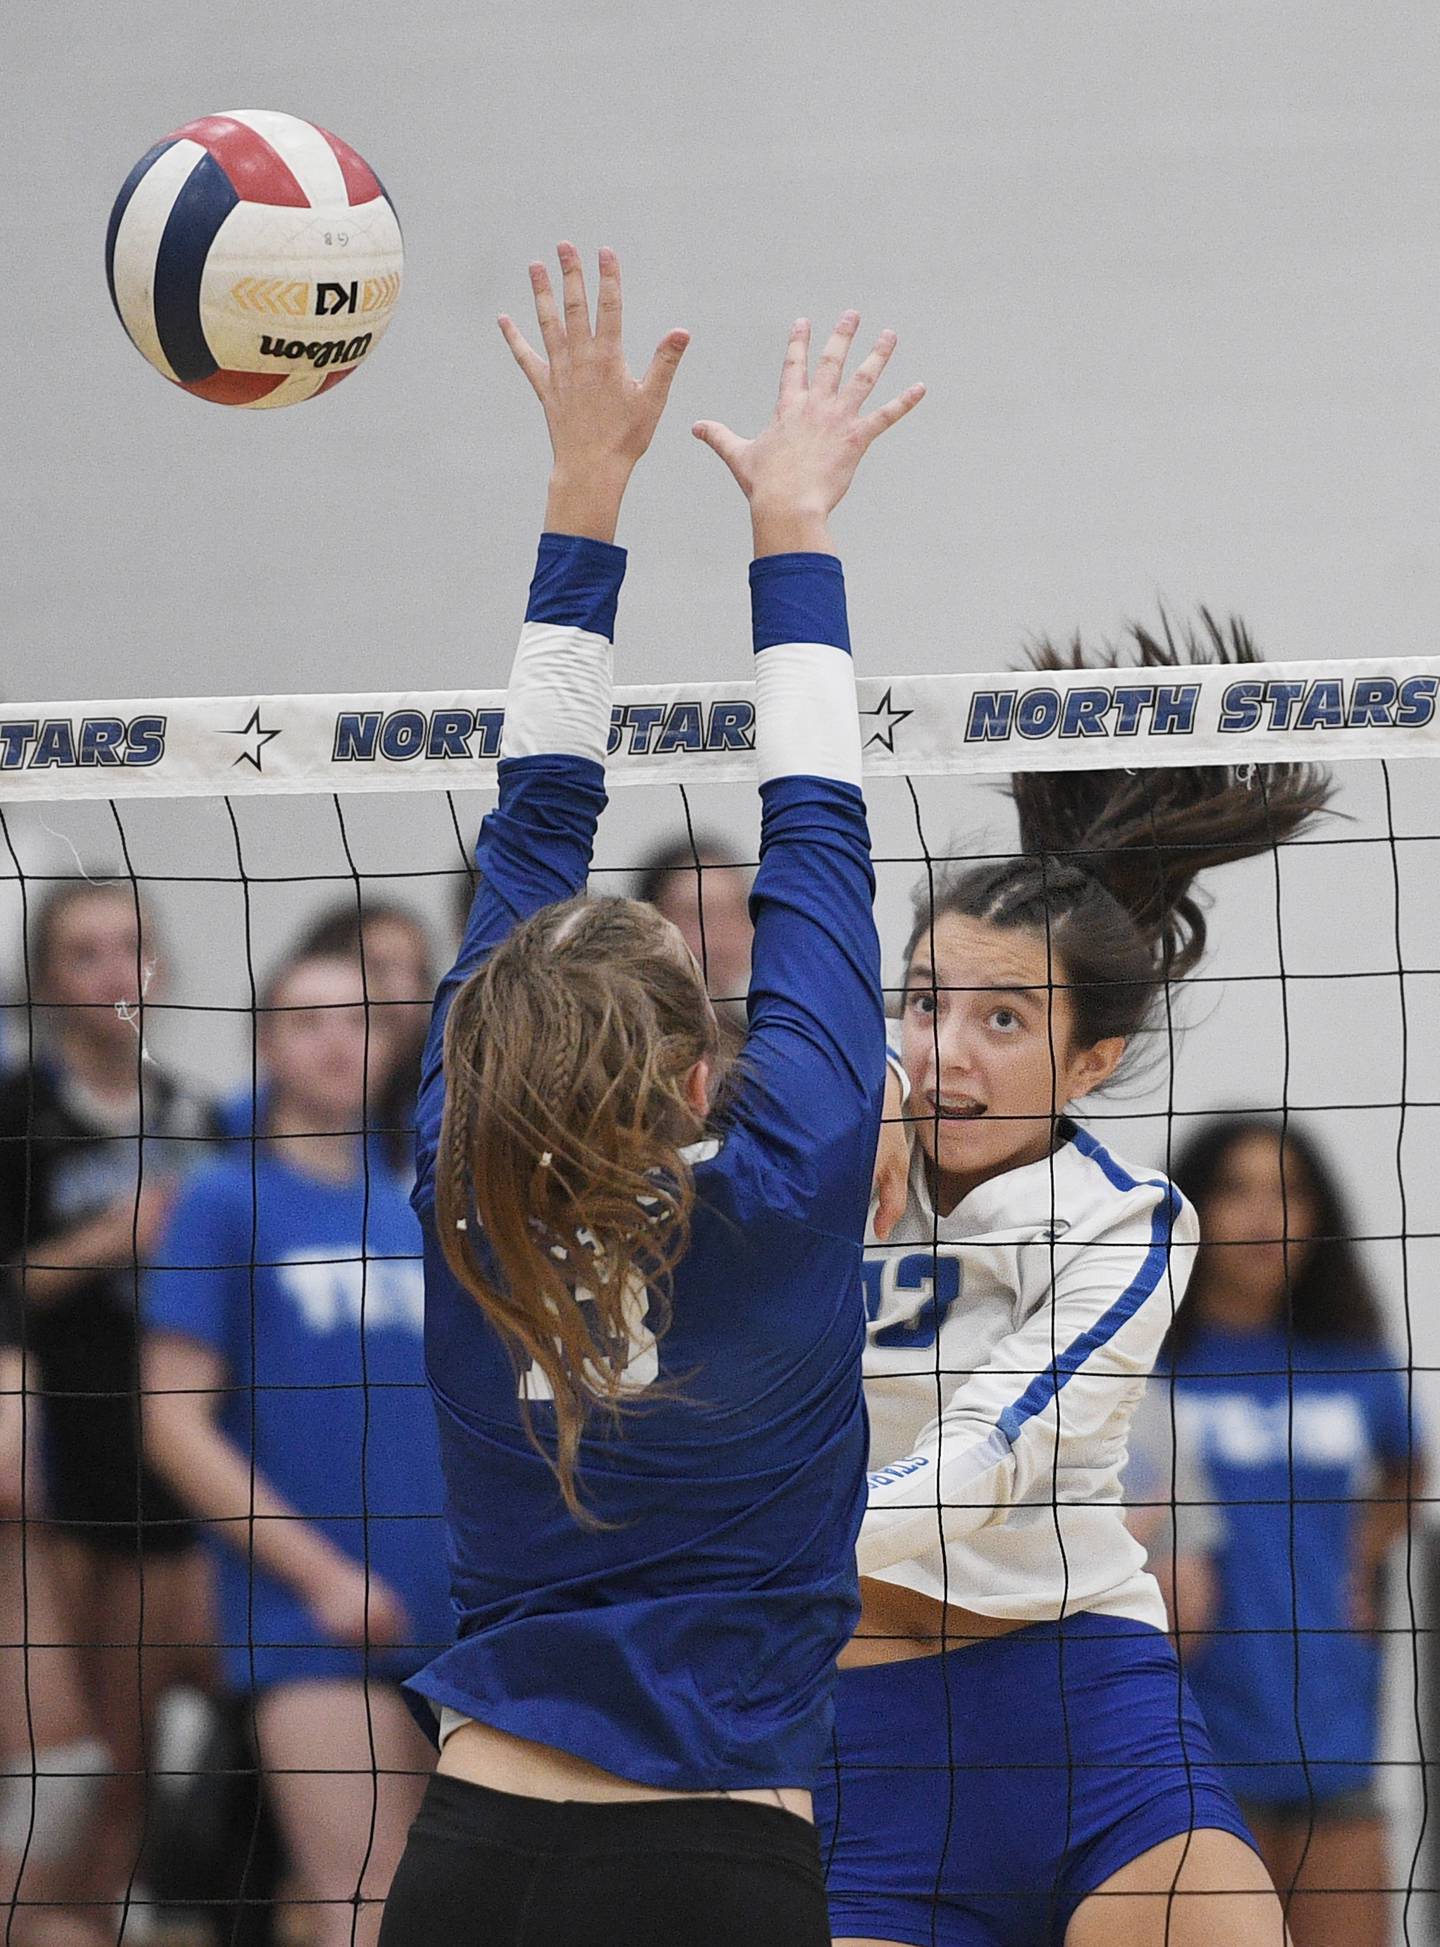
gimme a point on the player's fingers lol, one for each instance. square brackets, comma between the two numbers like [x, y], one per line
[547, 315]
[524, 353]
[793, 371]
[890, 1187]
[837, 349]
[663, 367]
[720, 440]
[883, 417]
[607, 302]
[577, 306]
[862, 380]
[892, 1190]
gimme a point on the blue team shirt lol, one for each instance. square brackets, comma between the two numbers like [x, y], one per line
[691, 1644]
[322, 1344]
[1286, 1423]
[244, 1112]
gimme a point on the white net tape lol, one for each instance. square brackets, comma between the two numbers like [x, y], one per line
[703, 733]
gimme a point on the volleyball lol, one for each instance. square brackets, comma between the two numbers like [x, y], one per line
[253, 258]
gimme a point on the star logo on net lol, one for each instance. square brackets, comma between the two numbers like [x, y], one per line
[887, 720]
[258, 737]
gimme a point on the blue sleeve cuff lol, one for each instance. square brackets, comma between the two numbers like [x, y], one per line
[798, 598]
[576, 584]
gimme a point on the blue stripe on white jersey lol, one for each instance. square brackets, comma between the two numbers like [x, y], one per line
[1113, 1171]
[1039, 1393]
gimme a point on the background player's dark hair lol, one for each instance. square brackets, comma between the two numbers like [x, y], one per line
[52, 907]
[1330, 1293]
[559, 1166]
[1109, 859]
[681, 855]
[302, 954]
[335, 934]
[337, 930]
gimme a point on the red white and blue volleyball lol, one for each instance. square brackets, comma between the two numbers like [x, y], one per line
[254, 258]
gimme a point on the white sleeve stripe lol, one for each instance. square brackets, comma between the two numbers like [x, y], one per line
[805, 720]
[558, 702]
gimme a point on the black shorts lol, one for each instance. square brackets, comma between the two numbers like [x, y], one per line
[99, 1491]
[489, 1869]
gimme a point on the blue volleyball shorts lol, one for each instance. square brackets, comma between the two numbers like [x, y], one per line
[976, 1798]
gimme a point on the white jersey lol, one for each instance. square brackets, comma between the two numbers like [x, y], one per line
[1008, 1346]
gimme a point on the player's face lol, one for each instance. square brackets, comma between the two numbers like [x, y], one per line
[722, 945]
[1257, 1223]
[314, 1047]
[398, 972]
[96, 966]
[987, 1042]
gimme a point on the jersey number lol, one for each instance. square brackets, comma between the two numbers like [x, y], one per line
[642, 1368]
[935, 1275]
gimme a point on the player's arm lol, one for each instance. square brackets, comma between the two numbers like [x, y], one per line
[1058, 1377]
[814, 1057]
[1399, 1488]
[42, 1270]
[535, 846]
[185, 1382]
[115, 1237]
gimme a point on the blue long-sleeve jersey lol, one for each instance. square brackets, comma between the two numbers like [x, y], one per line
[690, 1643]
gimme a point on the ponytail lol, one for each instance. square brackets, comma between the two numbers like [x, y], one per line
[1109, 859]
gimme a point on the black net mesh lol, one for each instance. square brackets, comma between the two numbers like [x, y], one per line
[167, 1777]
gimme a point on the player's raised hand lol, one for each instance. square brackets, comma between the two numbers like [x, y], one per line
[601, 419]
[804, 460]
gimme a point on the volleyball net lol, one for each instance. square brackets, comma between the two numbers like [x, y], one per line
[238, 827]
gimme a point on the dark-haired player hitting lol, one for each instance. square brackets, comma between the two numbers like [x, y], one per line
[1018, 1760]
[644, 1325]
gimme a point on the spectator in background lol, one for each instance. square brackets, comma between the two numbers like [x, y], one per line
[400, 976]
[1302, 1416]
[286, 1404]
[1173, 1513]
[394, 946]
[52, 1765]
[94, 1138]
[703, 889]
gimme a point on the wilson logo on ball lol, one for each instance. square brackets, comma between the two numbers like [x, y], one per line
[332, 351]
[247, 216]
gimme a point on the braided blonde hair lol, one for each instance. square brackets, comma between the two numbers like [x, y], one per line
[562, 1197]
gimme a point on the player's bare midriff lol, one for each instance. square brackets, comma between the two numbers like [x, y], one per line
[481, 1755]
[897, 1625]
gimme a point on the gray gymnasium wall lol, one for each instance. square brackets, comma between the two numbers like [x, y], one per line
[1169, 269]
